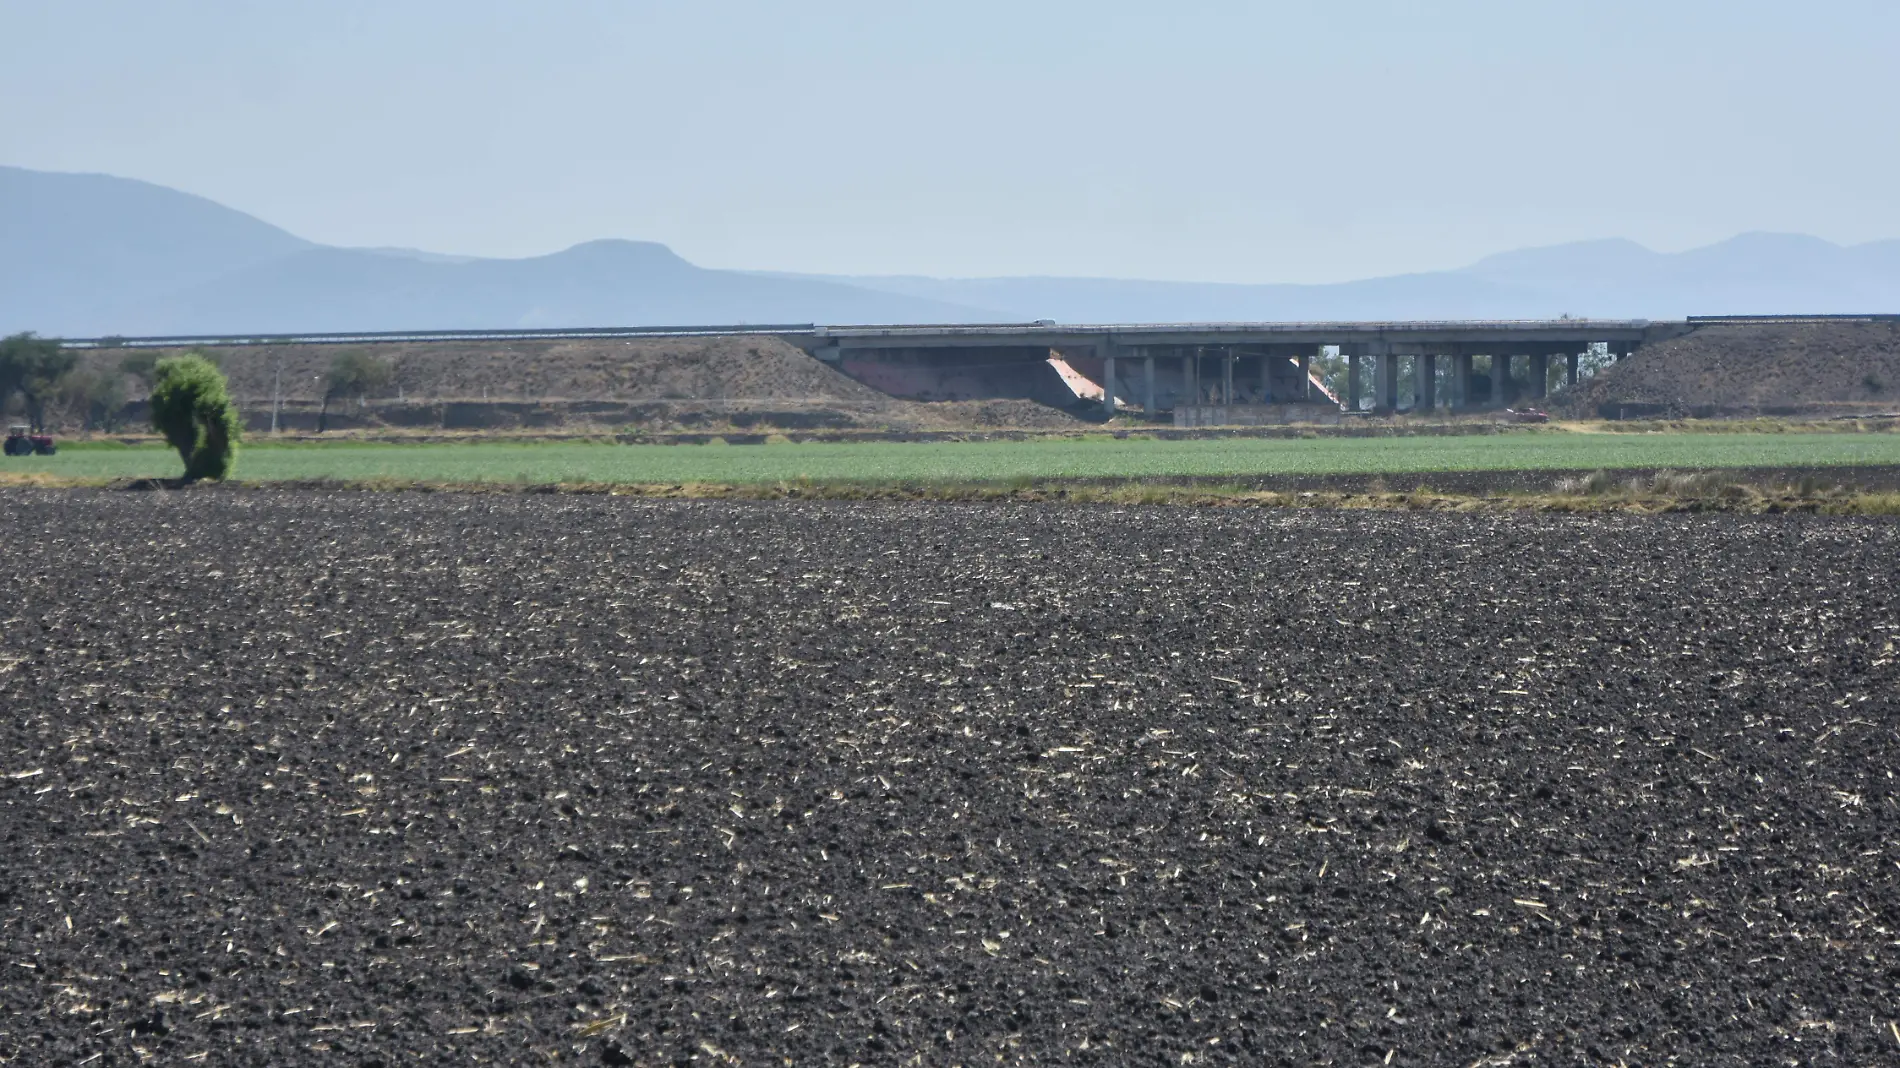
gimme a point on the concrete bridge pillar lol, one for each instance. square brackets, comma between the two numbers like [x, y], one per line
[1191, 374]
[1266, 375]
[1401, 384]
[1439, 355]
[1500, 380]
[1462, 381]
[1306, 377]
[1540, 375]
[1108, 378]
[1426, 389]
[1227, 375]
[1388, 389]
[1351, 399]
[1148, 382]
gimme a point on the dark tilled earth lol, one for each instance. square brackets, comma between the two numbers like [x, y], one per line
[353, 779]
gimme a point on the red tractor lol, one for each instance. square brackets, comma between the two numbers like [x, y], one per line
[21, 441]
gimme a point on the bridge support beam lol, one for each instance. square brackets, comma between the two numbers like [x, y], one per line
[1402, 385]
[1351, 398]
[1148, 382]
[1388, 389]
[1426, 388]
[1306, 376]
[1462, 381]
[1227, 376]
[1570, 371]
[1540, 375]
[1442, 358]
[1500, 380]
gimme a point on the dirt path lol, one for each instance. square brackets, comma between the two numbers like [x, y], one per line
[352, 779]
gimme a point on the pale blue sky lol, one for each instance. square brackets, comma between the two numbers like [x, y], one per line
[1230, 141]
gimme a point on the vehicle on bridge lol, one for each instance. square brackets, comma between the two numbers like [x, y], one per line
[21, 441]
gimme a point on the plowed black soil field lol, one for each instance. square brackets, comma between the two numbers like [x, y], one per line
[353, 779]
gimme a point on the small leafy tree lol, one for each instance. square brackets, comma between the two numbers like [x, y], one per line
[96, 395]
[352, 375]
[192, 408]
[32, 367]
[142, 366]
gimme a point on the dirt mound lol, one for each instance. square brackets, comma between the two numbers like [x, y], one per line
[1012, 413]
[1779, 369]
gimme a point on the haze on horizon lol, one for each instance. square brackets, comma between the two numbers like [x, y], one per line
[1239, 142]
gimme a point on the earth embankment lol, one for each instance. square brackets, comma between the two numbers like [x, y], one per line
[740, 381]
[318, 779]
[1795, 368]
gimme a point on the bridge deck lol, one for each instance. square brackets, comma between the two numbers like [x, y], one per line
[1135, 335]
[983, 335]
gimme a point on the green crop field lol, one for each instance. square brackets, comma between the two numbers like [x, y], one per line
[989, 461]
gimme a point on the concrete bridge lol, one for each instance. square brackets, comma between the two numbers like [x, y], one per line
[1243, 370]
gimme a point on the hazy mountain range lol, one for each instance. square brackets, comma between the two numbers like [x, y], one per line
[89, 255]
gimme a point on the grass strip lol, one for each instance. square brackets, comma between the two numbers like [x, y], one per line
[997, 461]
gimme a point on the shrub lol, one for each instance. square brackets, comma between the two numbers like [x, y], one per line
[353, 375]
[32, 367]
[94, 395]
[193, 410]
[142, 366]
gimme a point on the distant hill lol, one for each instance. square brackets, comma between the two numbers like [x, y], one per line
[87, 255]
[1754, 274]
[601, 283]
[77, 249]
